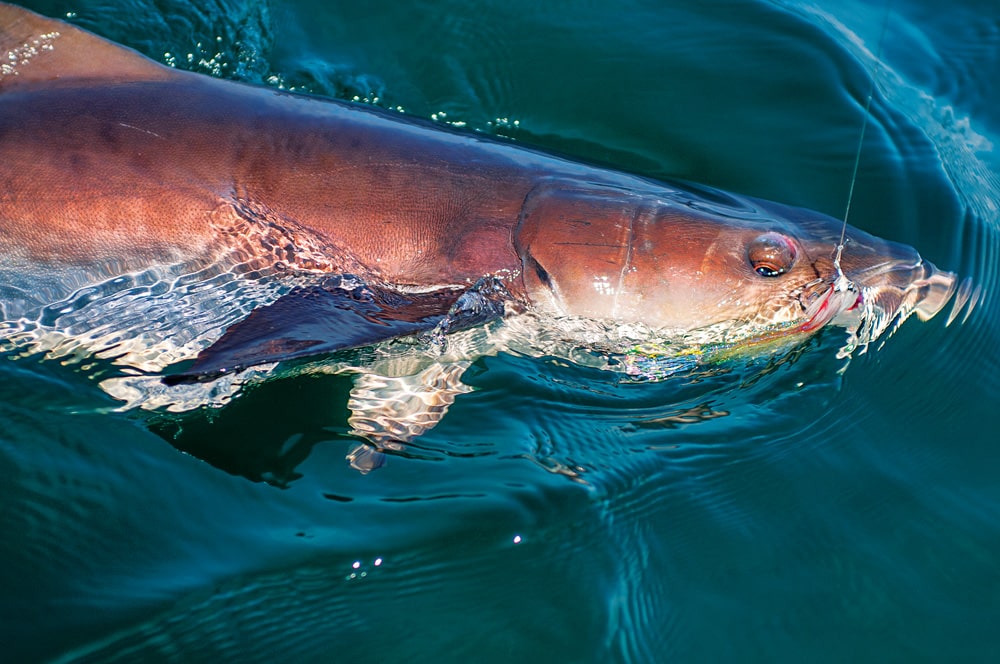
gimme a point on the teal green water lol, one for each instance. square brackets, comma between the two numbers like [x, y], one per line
[559, 514]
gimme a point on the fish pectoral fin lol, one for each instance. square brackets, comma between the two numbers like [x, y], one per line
[339, 313]
[36, 49]
[389, 412]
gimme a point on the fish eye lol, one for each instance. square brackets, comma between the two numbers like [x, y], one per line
[771, 254]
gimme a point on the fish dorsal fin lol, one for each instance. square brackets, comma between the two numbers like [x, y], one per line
[35, 49]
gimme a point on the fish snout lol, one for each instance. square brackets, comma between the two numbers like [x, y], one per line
[895, 282]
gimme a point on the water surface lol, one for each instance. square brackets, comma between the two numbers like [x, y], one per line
[764, 513]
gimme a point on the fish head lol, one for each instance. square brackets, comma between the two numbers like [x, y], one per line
[703, 260]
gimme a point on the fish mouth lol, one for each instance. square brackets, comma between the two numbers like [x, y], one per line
[871, 303]
[833, 300]
[887, 294]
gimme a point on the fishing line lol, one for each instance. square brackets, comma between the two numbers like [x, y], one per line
[842, 283]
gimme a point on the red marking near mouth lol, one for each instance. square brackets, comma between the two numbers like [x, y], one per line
[826, 311]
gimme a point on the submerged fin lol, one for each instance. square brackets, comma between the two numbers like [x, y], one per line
[35, 49]
[365, 458]
[337, 314]
[389, 412]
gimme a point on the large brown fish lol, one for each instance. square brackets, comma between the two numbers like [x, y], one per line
[112, 165]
